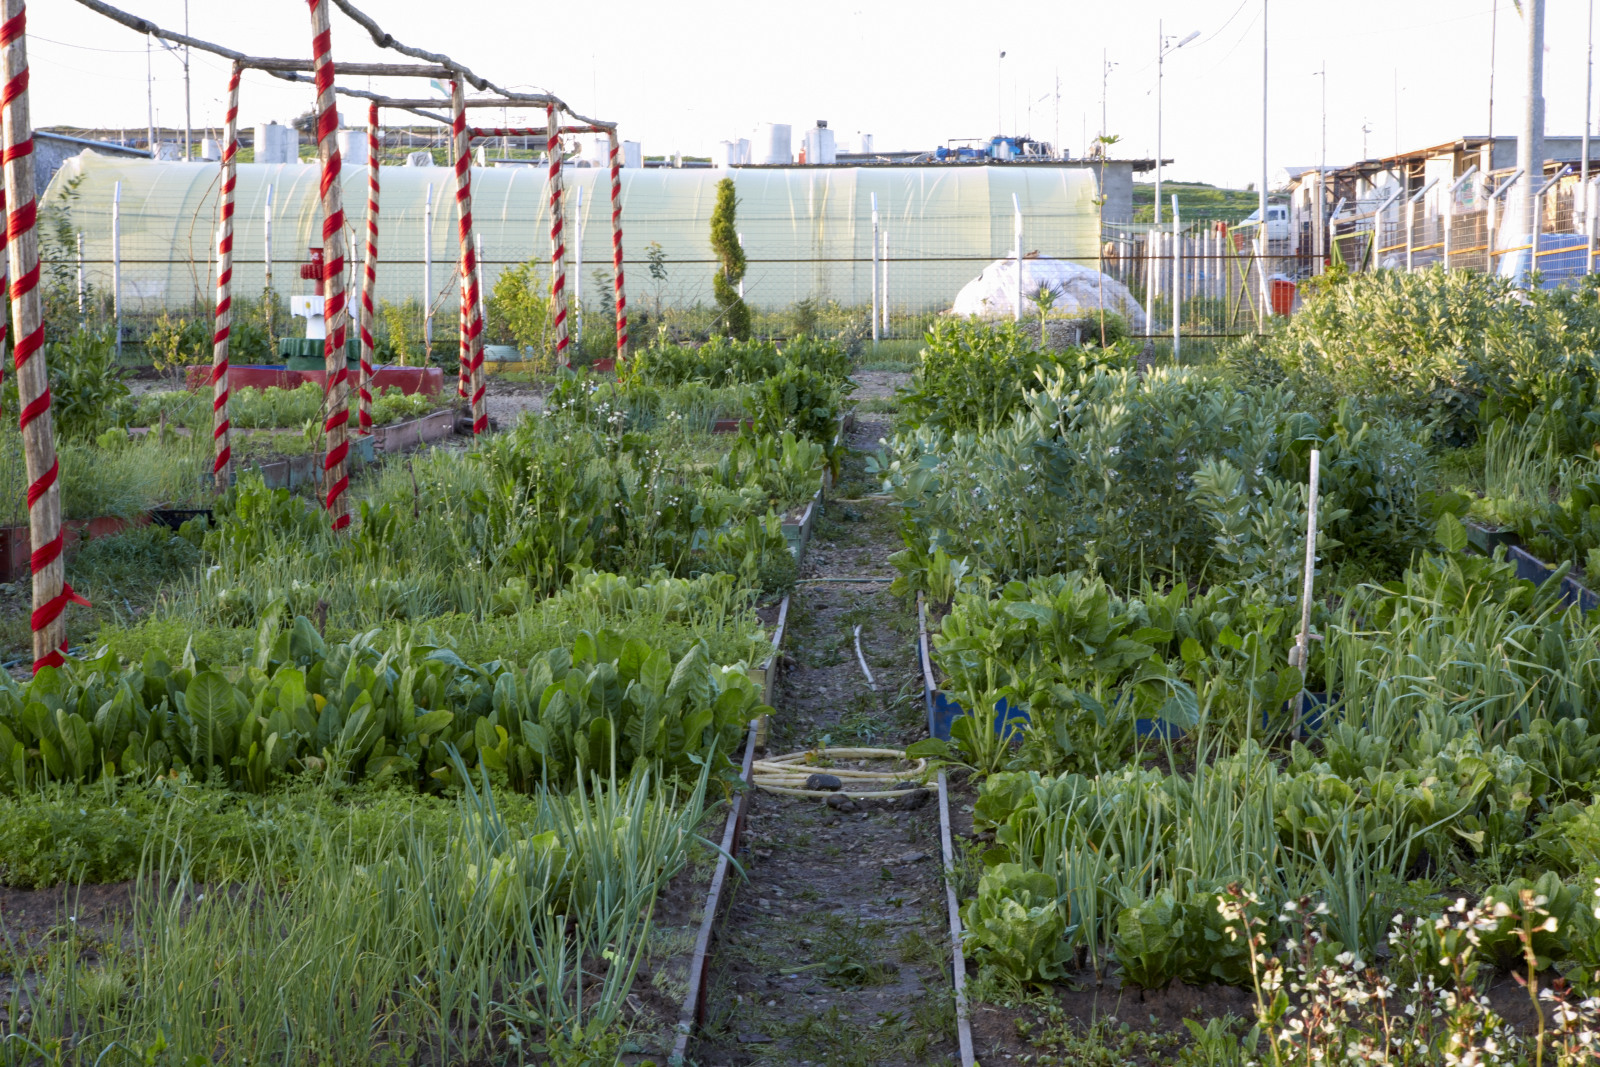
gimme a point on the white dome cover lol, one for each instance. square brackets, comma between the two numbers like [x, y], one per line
[1079, 291]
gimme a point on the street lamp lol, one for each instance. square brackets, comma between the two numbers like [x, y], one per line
[1162, 48]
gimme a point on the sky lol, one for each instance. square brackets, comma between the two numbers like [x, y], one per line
[686, 74]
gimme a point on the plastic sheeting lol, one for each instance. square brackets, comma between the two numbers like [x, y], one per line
[807, 232]
[1079, 291]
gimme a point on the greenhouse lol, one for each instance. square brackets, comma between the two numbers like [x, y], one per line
[807, 231]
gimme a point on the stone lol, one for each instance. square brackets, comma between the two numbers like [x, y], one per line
[912, 800]
[911, 857]
[754, 1039]
[841, 803]
[821, 782]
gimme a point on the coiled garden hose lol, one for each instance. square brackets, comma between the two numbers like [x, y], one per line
[787, 774]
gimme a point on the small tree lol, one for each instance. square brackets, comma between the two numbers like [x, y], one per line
[725, 282]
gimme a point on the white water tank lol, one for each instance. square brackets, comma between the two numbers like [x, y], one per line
[209, 149]
[276, 143]
[866, 144]
[771, 144]
[419, 158]
[632, 155]
[733, 153]
[819, 144]
[597, 150]
[353, 147]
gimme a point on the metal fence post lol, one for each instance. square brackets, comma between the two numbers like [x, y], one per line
[883, 285]
[266, 260]
[81, 314]
[1588, 226]
[577, 263]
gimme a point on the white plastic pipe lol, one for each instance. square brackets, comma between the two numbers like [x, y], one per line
[874, 268]
[266, 242]
[483, 293]
[577, 263]
[116, 261]
[427, 270]
[80, 274]
[1177, 277]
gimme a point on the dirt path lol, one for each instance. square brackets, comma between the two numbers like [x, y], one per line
[835, 950]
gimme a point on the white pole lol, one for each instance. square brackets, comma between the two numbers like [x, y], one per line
[1411, 226]
[1016, 209]
[577, 263]
[427, 270]
[116, 262]
[1177, 277]
[740, 236]
[266, 242]
[80, 274]
[1588, 99]
[875, 308]
[483, 299]
[1530, 146]
[1261, 231]
[1588, 227]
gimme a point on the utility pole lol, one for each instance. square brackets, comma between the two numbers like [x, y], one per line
[188, 121]
[1261, 231]
[1530, 145]
[1494, 27]
[149, 101]
[999, 106]
[1161, 55]
[1588, 98]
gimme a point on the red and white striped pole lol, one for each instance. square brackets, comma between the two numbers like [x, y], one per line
[337, 314]
[369, 279]
[472, 384]
[458, 114]
[50, 590]
[558, 244]
[222, 327]
[616, 245]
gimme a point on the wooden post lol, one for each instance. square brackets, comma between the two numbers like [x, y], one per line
[472, 385]
[50, 590]
[223, 322]
[558, 245]
[616, 245]
[369, 280]
[337, 314]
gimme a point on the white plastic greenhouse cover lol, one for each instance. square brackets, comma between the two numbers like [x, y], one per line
[807, 232]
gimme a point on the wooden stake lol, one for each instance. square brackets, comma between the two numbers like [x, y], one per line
[50, 590]
[222, 327]
[336, 313]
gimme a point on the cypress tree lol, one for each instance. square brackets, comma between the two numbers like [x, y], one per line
[725, 282]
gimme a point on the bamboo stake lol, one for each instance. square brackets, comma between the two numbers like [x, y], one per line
[369, 280]
[223, 320]
[336, 427]
[50, 590]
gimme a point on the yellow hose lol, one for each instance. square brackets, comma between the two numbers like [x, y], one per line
[787, 774]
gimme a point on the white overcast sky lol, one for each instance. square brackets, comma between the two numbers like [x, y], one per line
[684, 74]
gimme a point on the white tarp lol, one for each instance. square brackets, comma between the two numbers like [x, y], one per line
[1080, 291]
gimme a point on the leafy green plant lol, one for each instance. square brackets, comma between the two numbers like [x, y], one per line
[1015, 924]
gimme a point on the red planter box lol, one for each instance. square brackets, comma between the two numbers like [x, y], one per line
[426, 380]
[16, 547]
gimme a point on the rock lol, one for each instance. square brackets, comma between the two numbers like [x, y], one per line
[912, 800]
[911, 857]
[1146, 360]
[823, 782]
[754, 1039]
[842, 803]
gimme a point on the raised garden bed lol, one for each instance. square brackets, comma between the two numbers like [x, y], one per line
[16, 544]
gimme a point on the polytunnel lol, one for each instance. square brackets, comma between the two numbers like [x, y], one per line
[807, 231]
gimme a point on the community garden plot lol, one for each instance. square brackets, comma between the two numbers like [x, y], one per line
[1168, 817]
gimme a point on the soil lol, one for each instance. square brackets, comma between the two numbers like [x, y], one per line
[834, 949]
[509, 399]
[878, 385]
